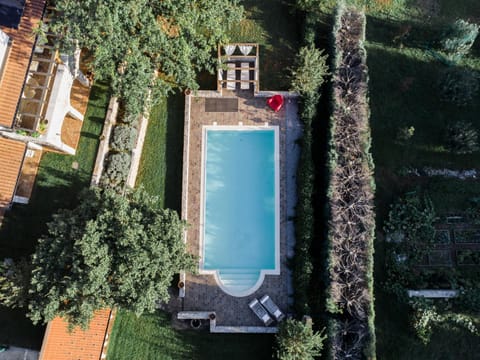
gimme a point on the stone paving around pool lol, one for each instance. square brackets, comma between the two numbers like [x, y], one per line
[201, 291]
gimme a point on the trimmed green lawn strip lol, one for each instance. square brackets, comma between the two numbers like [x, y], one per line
[160, 171]
[57, 186]
[152, 170]
[151, 337]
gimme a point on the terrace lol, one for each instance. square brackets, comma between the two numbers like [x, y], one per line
[235, 107]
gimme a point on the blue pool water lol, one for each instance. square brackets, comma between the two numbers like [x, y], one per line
[239, 209]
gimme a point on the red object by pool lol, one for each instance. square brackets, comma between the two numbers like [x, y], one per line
[275, 102]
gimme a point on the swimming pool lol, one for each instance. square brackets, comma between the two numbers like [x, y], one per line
[239, 232]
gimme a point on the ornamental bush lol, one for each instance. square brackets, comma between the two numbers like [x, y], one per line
[117, 169]
[123, 138]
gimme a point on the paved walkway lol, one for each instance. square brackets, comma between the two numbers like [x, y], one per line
[17, 353]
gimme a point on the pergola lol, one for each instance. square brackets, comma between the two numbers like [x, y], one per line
[238, 67]
[45, 100]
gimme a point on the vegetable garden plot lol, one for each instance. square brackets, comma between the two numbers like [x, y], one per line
[442, 237]
[440, 258]
[467, 236]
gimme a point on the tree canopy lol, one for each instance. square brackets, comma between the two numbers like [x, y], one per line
[297, 341]
[111, 250]
[131, 39]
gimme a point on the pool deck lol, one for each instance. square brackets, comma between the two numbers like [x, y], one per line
[201, 291]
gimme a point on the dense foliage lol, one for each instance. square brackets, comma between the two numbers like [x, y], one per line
[123, 138]
[132, 39]
[296, 340]
[109, 251]
[14, 281]
[350, 195]
[459, 85]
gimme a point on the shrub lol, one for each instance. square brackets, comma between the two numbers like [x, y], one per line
[459, 86]
[458, 39]
[123, 138]
[427, 316]
[310, 70]
[297, 341]
[461, 138]
[117, 169]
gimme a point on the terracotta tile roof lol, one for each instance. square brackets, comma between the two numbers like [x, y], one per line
[59, 344]
[18, 60]
[11, 158]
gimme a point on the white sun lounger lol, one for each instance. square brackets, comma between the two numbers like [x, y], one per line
[259, 310]
[245, 76]
[231, 76]
[272, 308]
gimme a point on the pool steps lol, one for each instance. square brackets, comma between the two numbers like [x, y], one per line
[239, 280]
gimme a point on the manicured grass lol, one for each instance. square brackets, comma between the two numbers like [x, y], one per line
[160, 171]
[152, 337]
[57, 186]
[152, 170]
[272, 24]
[404, 92]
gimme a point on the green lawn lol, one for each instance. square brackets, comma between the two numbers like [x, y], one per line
[57, 186]
[151, 337]
[403, 92]
[160, 171]
[272, 24]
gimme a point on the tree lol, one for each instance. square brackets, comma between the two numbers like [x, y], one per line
[109, 251]
[131, 39]
[297, 341]
[310, 70]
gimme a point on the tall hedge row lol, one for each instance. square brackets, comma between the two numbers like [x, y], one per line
[308, 76]
[350, 196]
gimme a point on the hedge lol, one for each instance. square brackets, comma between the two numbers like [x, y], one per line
[350, 196]
[307, 79]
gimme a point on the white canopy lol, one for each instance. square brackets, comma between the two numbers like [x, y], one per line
[58, 107]
[3, 49]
